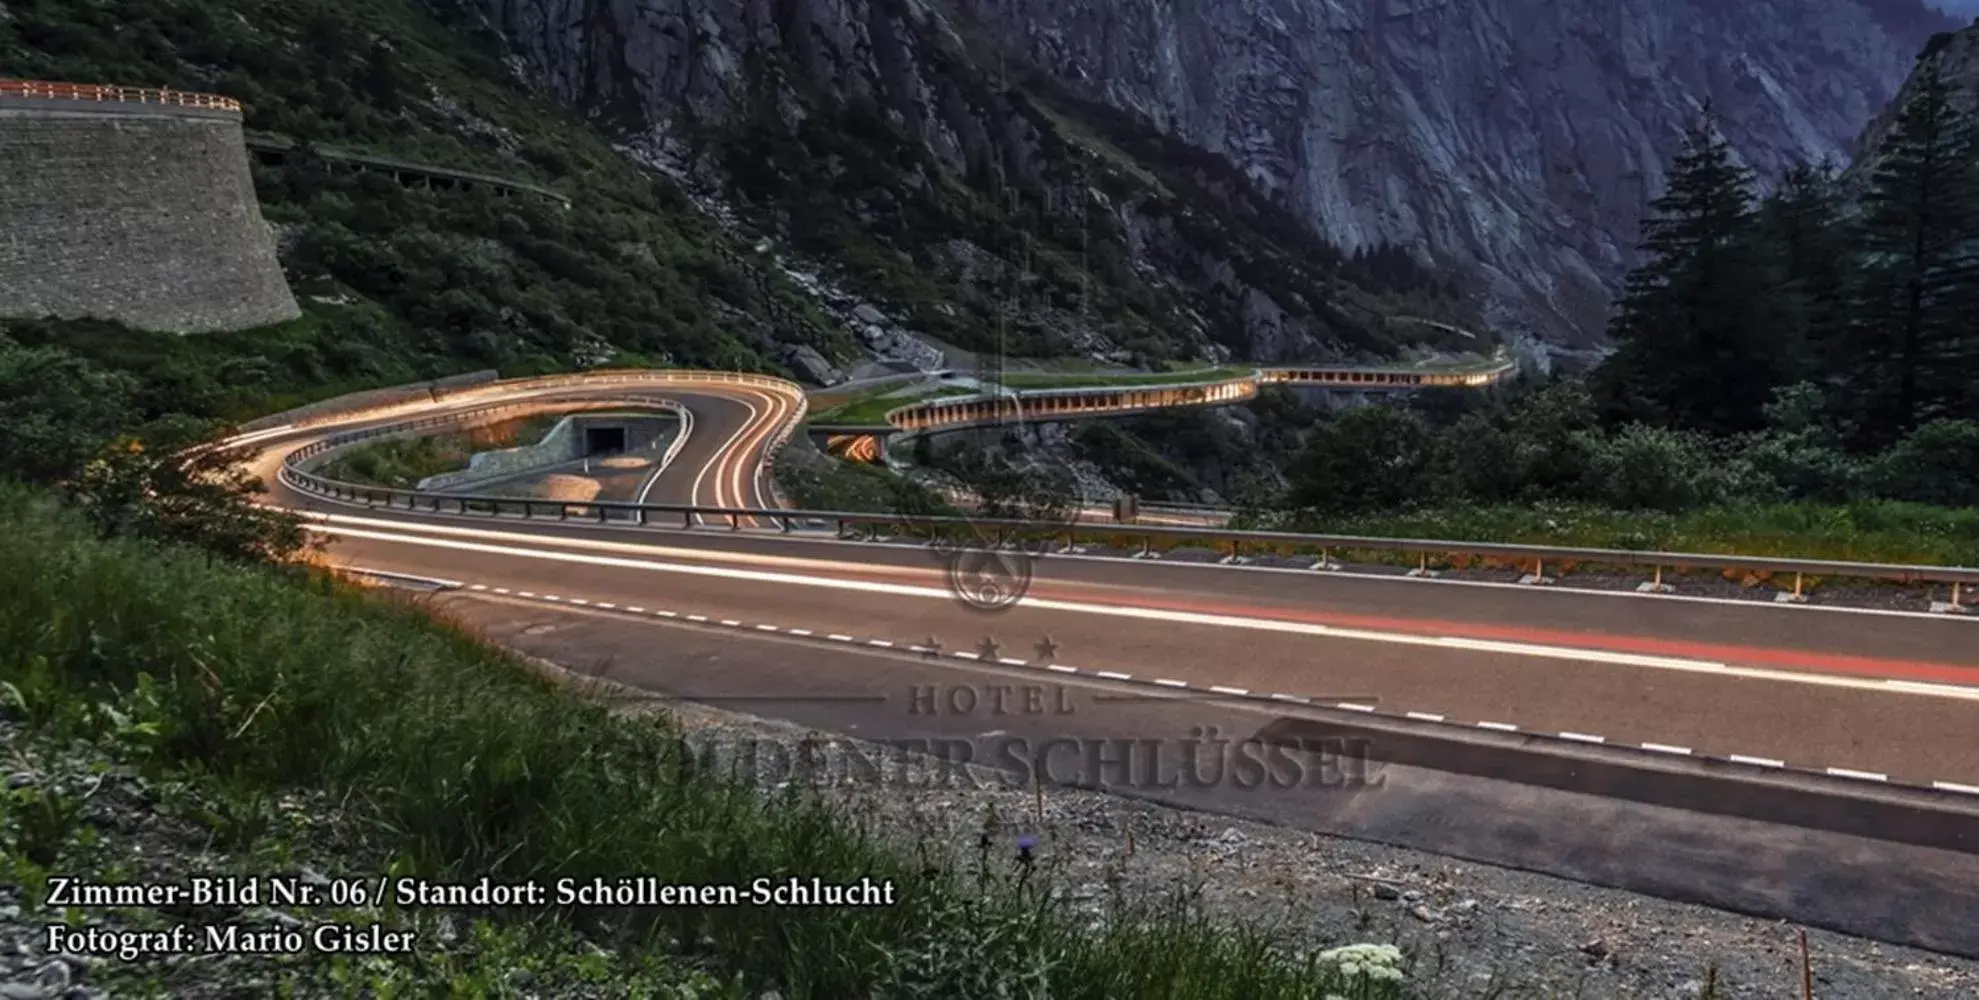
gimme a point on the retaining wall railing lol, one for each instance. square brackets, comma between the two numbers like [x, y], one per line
[49, 91]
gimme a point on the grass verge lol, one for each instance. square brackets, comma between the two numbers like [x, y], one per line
[1036, 380]
[1878, 531]
[871, 411]
[454, 761]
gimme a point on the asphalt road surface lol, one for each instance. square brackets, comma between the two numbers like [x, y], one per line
[1877, 692]
[861, 637]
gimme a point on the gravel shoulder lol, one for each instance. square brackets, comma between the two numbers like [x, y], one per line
[1474, 930]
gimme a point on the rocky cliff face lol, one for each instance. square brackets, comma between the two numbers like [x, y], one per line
[981, 207]
[1956, 55]
[1525, 136]
[1516, 142]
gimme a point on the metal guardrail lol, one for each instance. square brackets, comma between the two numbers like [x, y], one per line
[46, 90]
[295, 460]
[1006, 402]
[1148, 539]
[543, 384]
[265, 142]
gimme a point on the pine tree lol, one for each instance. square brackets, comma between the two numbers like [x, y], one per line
[1913, 336]
[1809, 243]
[1698, 340]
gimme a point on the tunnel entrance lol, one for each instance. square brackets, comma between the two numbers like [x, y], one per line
[604, 440]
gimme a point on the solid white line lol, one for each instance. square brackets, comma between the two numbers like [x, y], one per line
[1171, 616]
[1164, 682]
[1113, 676]
[1583, 738]
[1843, 772]
[1425, 717]
[1503, 727]
[673, 451]
[1219, 689]
[1755, 761]
[716, 458]
[1926, 687]
[1666, 748]
[1947, 786]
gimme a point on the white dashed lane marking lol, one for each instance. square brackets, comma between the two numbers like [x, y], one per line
[1113, 675]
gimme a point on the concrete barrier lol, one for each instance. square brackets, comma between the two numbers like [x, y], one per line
[1885, 863]
[1945, 821]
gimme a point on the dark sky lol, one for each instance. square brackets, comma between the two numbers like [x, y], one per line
[1966, 8]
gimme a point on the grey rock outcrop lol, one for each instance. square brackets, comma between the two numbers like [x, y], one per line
[1515, 141]
[1956, 56]
[1525, 137]
[1197, 261]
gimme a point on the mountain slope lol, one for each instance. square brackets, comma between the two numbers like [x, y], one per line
[1522, 136]
[886, 138]
[1956, 54]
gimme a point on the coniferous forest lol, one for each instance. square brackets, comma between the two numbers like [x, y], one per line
[1806, 355]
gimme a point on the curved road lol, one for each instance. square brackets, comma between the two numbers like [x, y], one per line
[866, 638]
[1880, 692]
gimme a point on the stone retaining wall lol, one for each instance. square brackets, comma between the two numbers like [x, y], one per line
[144, 214]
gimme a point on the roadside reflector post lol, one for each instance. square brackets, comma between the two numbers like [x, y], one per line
[642, 516]
[1797, 597]
[1656, 585]
[1538, 577]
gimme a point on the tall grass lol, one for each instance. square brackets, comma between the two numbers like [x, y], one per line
[475, 766]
